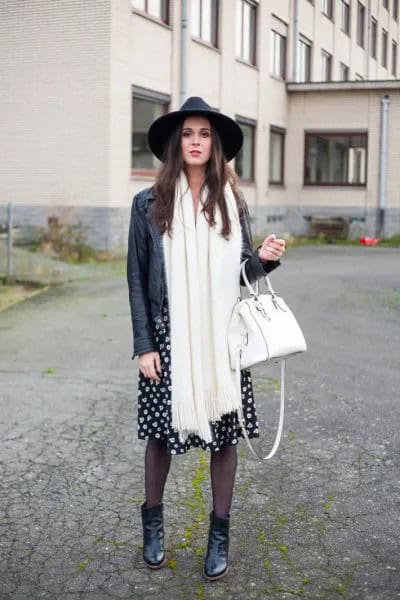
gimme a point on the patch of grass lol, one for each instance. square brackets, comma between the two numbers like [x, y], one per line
[48, 371]
[393, 240]
[11, 294]
[327, 505]
[392, 298]
[267, 384]
[200, 593]
[97, 429]
[172, 564]
[302, 240]
[84, 563]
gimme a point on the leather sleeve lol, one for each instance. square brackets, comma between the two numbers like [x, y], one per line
[137, 275]
[255, 268]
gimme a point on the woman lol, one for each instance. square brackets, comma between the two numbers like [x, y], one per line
[188, 236]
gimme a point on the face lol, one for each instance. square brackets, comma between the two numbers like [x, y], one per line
[196, 141]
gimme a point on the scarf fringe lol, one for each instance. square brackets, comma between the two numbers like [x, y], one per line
[186, 421]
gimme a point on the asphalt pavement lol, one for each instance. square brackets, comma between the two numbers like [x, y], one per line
[319, 521]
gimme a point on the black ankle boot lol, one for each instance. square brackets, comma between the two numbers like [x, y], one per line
[216, 563]
[153, 536]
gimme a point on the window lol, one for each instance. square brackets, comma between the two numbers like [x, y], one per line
[276, 155]
[326, 74]
[155, 8]
[278, 55]
[327, 8]
[345, 25]
[384, 48]
[374, 37]
[304, 61]
[360, 24]
[394, 58]
[396, 10]
[244, 161]
[246, 19]
[385, 4]
[335, 158]
[204, 17]
[344, 72]
[145, 108]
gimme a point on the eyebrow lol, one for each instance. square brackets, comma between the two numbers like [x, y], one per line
[191, 129]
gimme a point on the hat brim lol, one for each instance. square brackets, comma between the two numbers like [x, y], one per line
[229, 131]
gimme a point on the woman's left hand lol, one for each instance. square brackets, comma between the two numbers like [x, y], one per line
[272, 248]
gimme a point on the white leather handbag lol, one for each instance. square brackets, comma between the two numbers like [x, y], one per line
[262, 328]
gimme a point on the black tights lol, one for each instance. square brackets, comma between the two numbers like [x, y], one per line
[222, 468]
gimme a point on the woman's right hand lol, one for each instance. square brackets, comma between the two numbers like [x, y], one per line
[150, 365]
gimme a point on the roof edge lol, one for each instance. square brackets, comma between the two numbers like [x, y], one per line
[339, 86]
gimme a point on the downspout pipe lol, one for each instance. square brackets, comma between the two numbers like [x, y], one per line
[383, 159]
[295, 48]
[183, 51]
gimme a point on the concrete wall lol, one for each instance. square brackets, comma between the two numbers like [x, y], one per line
[55, 106]
[65, 115]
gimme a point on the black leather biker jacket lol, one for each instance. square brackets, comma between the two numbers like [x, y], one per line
[146, 274]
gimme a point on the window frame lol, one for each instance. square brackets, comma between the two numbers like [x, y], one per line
[156, 98]
[308, 134]
[253, 124]
[374, 39]
[329, 61]
[253, 50]
[394, 58]
[307, 44]
[396, 10]
[330, 9]
[384, 48]
[215, 12]
[282, 54]
[360, 24]
[274, 129]
[144, 11]
[347, 70]
[345, 17]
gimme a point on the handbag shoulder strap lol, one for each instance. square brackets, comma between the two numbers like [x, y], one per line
[281, 414]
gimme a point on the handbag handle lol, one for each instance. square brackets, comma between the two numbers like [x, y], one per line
[249, 286]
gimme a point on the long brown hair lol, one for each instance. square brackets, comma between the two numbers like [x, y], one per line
[217, 174]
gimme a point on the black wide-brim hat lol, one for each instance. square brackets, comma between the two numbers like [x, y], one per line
[229, 131]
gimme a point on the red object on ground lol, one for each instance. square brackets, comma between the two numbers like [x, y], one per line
[369, 241]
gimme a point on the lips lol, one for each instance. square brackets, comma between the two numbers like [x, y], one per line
[195, 153]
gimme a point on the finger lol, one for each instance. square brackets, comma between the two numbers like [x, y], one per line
[158, 363]
[269, 238]
[153, 374]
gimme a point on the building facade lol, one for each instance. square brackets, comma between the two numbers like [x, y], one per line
[314, 85]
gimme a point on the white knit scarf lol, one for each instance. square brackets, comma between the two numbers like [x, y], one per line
[202, 271]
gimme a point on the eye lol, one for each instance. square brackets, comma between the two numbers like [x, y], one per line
[205, 134]
[186, 134]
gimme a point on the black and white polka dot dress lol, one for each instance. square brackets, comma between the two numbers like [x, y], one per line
[154, 404]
